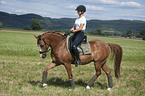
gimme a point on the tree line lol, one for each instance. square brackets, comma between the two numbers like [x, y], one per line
[35, 25]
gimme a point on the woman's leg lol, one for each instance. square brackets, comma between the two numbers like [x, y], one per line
[78, 39]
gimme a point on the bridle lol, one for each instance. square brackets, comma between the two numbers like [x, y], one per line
[49, 44]
[45, 44]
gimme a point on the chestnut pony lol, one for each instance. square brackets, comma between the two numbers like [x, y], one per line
[100, 52]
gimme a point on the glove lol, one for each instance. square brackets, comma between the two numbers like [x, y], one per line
[67, 33]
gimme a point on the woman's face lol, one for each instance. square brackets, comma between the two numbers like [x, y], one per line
[79, 12]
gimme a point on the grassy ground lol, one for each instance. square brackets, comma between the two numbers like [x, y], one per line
[21, 69]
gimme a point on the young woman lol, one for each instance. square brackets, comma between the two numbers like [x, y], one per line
[78, 29]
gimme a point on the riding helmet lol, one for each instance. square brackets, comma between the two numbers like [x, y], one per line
[81, 8]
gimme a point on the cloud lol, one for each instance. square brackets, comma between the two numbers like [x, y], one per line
[130, 4]
[2, 2]
[92, 7]
[100, 9]
[108, 1]
[21, 11]
[133, 15]
[72, 6]
[103, 2]
[29, 0]
[89, 7]
[121, 4]
[115, 3]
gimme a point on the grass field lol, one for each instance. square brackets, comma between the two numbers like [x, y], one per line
[21, 69]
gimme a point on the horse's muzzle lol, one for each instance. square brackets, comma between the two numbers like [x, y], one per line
[43, 56]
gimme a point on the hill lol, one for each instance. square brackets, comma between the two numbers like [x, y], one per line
[120, 26]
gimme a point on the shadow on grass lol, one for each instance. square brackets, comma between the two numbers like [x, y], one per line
[102, 86]
[55, 81]
[34, 83]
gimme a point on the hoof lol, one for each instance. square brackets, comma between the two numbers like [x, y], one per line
[71, 89]
[109, 89]
[44, 86]
[88, 87]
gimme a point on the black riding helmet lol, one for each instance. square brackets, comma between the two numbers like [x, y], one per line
[81, 8]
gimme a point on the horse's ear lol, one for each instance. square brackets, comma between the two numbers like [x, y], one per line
[36, 36]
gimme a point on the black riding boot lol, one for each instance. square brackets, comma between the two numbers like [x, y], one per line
[76, 54]
[73, 57]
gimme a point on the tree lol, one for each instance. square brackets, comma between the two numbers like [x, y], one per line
[129, 33]
[143, 38]
[142, 33]
[1, 24]
[36, 24]
[98, 31]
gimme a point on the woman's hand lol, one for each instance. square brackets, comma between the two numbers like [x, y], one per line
[67, 33]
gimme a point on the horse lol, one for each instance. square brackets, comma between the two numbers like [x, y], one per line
[100, 51]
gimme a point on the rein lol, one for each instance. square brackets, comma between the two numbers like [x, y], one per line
[48, 44]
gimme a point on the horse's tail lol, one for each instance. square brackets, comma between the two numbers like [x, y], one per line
[117, 52]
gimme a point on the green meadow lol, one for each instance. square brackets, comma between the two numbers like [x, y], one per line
[21, 69]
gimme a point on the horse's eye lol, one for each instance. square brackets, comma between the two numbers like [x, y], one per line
[41, 45]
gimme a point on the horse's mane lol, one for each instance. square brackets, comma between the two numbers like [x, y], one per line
[52, 32]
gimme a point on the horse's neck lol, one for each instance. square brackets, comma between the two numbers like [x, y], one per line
[53, 38]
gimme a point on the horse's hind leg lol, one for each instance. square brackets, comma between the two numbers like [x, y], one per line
[44, 77]
[108, 73]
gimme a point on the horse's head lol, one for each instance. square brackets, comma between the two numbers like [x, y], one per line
[43, 45]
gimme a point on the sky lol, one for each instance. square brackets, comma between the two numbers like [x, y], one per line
[96, 9]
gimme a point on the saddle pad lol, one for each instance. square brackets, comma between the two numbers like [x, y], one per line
[84, 49]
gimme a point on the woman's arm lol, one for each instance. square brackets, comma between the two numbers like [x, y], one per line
[73, 28]
[80, 28]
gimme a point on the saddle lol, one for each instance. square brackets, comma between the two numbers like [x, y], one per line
[83, 47]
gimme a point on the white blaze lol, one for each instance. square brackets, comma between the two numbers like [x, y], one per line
[40, 50]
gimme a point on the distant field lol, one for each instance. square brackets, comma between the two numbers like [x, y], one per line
[21, 69]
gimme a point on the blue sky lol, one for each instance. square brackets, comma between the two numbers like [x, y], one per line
[96, 9]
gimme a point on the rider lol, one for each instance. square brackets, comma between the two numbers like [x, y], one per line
[78, 29]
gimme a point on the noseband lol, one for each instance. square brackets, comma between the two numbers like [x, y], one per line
[45, 44]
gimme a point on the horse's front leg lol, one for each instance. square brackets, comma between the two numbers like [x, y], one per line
[44, 77]
[69, 71]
